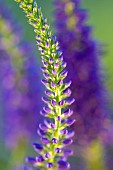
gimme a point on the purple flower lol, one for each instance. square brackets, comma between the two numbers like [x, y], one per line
[81, 53]
[19, 77]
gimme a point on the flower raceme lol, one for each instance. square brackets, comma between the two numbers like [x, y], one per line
[54, 134]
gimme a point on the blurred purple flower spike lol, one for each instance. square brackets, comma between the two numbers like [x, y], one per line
[82, 55]
[19, 77]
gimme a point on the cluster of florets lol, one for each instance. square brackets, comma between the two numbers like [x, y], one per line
[53, 133]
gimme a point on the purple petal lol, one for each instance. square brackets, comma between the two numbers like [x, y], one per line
[53, 85]
[47, 155]
[63, 165]
[38, 147]
[51, 60]
[31, 160]
[43, 113]
[53, 103]
[68, 84]
[60, 82]
[58, 150]
[47, 110]
[70, 134]
[67, 92]
[43, 127]
[69, 122]
[68, 112]
[48, 93]
[67, 141]
[64, 64]
[70, 101]
[45, 140]
[49, 165]
[62, 102]
[64, 132]
[44, 82]
[56, 65]
[39, 159]
[45, 100]
[54, 140]
[41, 132]
[43, 68]
[68, 152]
[47, 76]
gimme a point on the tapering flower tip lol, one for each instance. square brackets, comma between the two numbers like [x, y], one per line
[54, 140]
[67, 92]
[70, 134]
[56, 65]
[43, 127]
[38, 147]
[68, 112]
[53, 103]
[47, 155]
[62, 103]
[68, 152]
[54, 72]
[43, 113]
[51, 61]
[45, 140]
[58, 150]
[60, 82]
[45, 100]
[67, 141]
[44, 82]
[41, 132]
[46, 76]
[70, 122]
[70, 101]
[43, 68]
[49, 165]
[31, 160]
[63, 165]
[64, 73]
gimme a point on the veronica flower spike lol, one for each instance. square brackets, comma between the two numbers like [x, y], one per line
[54, 133]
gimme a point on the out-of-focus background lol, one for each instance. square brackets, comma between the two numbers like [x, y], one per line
[101, 19]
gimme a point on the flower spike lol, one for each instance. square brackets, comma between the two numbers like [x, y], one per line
[57, 103]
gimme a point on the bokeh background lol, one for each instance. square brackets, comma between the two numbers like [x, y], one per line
[100, 18]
